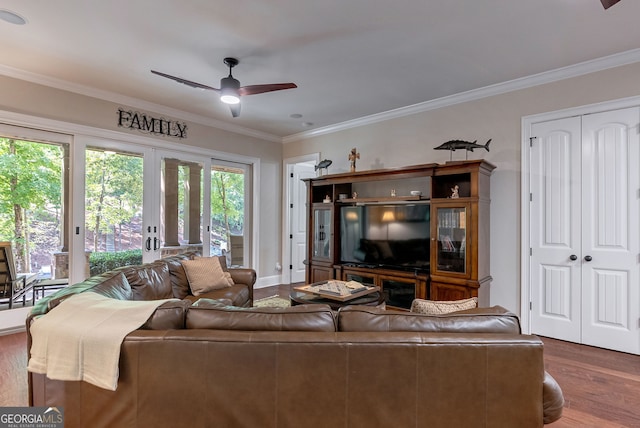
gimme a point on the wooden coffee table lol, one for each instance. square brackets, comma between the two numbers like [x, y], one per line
[374, 298]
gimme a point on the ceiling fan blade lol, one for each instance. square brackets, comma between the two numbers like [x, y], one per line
[608, 3]
[185, 81]
[260, 89]
[235, 109]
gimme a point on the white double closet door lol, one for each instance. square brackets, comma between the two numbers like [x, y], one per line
[585, 229]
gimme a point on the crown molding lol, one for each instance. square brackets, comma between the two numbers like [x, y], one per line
[587, 67]
[133, 102]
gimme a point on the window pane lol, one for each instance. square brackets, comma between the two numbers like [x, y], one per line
[181, 224]
[31, 207]
[113, 209]
[227, 213]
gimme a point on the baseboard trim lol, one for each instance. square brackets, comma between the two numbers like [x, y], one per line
[268, 281]
[13, 330]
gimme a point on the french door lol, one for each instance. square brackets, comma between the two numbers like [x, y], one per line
[229, 228]
[112, 205]
[139, 201]
[585, 229]
[134, 204]
[180, 206]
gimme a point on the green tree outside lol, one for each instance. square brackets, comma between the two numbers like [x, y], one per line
[30, 195]
[227, 203]
[114, 191]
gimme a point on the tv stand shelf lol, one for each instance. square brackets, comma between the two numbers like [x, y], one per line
[456, 198]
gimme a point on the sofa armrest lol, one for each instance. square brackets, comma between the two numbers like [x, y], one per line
[168, 316]
[552, 399]
[244, 276]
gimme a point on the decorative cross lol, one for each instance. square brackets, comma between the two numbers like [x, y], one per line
[352, 158]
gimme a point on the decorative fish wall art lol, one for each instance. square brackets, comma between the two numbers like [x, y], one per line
[468, 146]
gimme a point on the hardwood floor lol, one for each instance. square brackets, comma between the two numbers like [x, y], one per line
[601, 387]
[13, 370]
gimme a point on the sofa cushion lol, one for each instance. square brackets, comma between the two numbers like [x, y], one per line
[439, 307]
[206, 274]
[150, 281]
[179, 282]
[111, 284]
[168, 316]
[478, 320]
[238, 294]
[212, 315]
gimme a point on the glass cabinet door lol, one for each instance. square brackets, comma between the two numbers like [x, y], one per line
[322, 233]
[452, 239]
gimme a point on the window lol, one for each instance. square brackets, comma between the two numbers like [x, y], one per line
[32, 211]
[113, 209]
[228, 210]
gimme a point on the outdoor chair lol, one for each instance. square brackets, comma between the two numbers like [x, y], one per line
[13, 285]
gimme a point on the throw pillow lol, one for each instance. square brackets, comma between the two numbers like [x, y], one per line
[440, 307]
[206, 274]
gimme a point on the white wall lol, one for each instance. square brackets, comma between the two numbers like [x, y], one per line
[410, 140]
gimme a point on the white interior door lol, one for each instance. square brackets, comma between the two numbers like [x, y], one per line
[556, 229]
[611, 230]
[585, 229]
[298, 208]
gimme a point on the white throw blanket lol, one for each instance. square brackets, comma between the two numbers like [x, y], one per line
[80, 338]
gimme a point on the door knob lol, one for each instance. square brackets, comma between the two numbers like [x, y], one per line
[588, 258]
[573, 257]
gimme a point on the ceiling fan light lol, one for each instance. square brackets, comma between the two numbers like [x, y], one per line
[229, 97]
[229, 90]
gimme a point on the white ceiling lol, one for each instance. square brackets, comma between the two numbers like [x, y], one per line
[349, 58]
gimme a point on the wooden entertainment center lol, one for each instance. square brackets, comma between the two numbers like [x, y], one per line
[440, 212]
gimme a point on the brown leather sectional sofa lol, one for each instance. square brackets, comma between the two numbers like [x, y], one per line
[208, 363]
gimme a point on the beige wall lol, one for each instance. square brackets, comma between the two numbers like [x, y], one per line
[410, 140]
[397, 142]
[40, 101]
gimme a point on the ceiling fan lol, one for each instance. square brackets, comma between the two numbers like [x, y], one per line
[230, 90]
[608, 3]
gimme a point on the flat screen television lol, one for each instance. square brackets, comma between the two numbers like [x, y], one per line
[395, 236]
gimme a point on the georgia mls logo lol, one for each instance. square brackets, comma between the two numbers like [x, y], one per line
[54, 412]
[31, 417]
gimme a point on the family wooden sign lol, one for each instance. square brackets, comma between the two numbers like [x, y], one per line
[151, 125]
